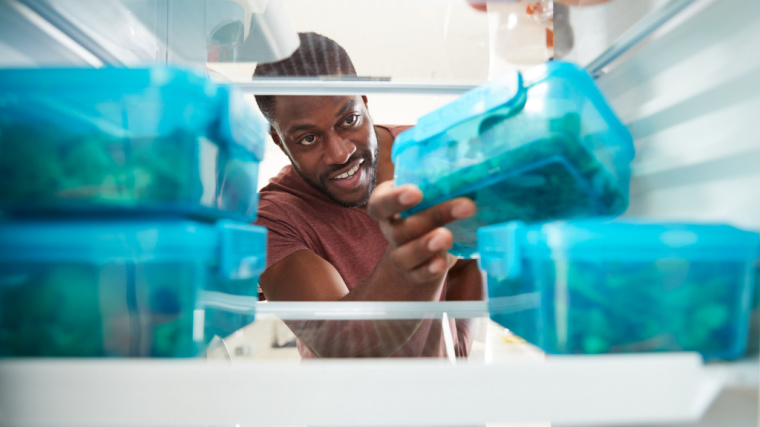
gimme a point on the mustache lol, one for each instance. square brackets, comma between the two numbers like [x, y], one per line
[354, 157]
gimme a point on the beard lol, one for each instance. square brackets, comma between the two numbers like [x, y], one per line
[371, 159]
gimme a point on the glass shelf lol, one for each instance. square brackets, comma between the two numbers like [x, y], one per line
[418, 46]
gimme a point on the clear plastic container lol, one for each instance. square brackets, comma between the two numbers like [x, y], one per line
[592, 286]
[116, 140]
[535, 147]
[123, 288]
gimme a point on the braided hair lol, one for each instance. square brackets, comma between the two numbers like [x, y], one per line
[316, 56]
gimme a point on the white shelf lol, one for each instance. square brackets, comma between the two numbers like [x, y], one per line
[567, 390]
[742, 374]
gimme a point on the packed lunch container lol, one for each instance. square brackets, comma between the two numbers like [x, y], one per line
[84, 288]
[534, 147]
[127, 141]
[619, 286]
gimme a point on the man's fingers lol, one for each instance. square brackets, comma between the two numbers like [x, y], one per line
[386, 200]
[436, 216]
[433, 269]
[421, 251]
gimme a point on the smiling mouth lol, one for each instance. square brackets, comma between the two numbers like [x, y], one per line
[350, 172]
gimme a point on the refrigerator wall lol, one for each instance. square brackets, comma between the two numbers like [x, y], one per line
[691, 99]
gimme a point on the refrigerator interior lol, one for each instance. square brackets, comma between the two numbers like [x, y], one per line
[689, 92]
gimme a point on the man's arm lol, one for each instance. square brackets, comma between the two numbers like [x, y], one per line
[308, 277]
[465, 282]
[411, 269]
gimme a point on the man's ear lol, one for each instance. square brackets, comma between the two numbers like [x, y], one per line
[276, 138]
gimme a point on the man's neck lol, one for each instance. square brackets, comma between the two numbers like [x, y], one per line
[384, 164]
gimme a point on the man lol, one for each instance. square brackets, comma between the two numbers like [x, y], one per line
[334, 229]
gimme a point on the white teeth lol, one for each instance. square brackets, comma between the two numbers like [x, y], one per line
[349, 173]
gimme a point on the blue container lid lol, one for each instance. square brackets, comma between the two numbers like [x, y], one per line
[622, 239]
[243, 124]
[507, 90]
[583, 83]
[126, 102]
[239, 249]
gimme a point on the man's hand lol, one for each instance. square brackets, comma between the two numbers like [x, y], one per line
[418, 244]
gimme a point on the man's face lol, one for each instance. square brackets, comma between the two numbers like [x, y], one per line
[331, 142]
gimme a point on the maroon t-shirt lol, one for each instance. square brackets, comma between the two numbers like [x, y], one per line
[299, 217]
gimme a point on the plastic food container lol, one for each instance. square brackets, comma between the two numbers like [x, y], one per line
[753, 336]
[156, 141]
[535, 147]
[123, 288]
[590, 286]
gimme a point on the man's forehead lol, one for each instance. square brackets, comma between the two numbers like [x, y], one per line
[292, 110]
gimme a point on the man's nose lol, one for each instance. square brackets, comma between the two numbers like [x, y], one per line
[338, 150]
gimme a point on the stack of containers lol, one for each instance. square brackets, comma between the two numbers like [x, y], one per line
[536, 148]
[127, 197]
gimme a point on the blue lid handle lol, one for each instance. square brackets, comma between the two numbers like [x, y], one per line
[506, 91]
[240, 123]
[242, 250]
[512, 256]
[502, 244]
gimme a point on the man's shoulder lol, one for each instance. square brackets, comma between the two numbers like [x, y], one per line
[396, 129]
[288, 192]
[282, 180]
[280, 201]
[285, 186]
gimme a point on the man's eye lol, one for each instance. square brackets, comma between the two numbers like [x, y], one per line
[308, 140]
[351, 119]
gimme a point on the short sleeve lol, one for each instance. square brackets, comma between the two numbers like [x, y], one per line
[283, 238]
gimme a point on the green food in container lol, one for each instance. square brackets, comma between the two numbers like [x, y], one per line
[622, 286]
[543, 147]
[147, 141]
[97, 169]
[124, 288]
